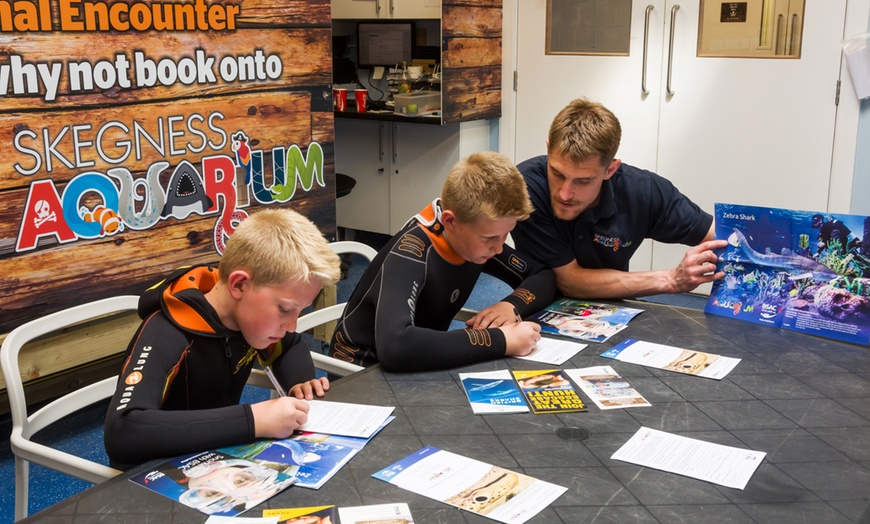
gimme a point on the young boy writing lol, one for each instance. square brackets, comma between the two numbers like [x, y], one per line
[401, 309]
[202, 328]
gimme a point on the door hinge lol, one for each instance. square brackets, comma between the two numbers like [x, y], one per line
[837, 98]
[516, 80]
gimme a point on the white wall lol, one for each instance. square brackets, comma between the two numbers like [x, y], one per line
[860, 204]
[850, 188]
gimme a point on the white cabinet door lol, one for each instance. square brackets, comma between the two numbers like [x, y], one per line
[361, 152]
[385, 9]
[737, 130]
[422, 155]
[398, 168]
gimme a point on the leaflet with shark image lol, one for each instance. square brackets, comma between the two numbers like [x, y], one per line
[799, 270]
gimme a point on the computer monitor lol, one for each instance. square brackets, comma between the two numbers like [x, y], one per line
[385, 43]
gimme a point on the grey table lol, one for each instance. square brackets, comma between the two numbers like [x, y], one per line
[803, 400]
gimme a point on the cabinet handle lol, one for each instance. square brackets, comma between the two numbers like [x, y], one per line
[794, 20]
[377, 7]
[778, 31]
[671, 48]
[391, 7]
[395, 151]
[649, 9]
[381, 142]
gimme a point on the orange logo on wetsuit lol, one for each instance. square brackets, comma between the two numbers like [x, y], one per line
[479, 337]
[133, 378]
[411, 245]
[524, 294]
[344, 351]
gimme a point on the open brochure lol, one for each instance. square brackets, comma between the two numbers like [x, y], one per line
[493, 392]
[672, 358]
[215, 483]
[496, 493]
[582, 320]
[724, 465]
[799, 270]
[313, 458]
[606, 388]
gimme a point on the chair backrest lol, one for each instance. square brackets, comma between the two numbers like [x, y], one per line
[24, 426]
[350, 246]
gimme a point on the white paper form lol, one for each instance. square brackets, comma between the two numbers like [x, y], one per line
[723, 465]
[552, 351]
[344, 418]
[398, 513]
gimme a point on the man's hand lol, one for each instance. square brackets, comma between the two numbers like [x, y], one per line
[279, 418]
[521, 337]
[496, 315]
[698, 266]
[307, 390]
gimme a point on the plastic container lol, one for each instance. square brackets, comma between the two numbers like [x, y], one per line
[417, 103]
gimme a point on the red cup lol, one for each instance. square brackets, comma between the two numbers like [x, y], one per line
[339, 96]
[361, 96]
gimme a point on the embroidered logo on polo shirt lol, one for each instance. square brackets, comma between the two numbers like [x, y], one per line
[517, 263]
[612, 242]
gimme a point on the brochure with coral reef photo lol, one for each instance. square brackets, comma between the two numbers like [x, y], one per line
[215, 483]
[606, 388]
[465, 483]
[672, 358]
[491, 392]
[548, 391]
[581, 320]
[310, 515]
[799, 270]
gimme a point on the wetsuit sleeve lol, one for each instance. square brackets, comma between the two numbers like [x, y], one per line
[137, 429]
[402, 345]
[534, 283]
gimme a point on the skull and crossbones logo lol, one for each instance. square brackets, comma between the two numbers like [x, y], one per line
[43, 213]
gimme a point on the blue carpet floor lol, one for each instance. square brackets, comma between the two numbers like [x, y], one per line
[82, 434]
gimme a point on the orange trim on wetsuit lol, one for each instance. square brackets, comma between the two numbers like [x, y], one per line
[201, 278]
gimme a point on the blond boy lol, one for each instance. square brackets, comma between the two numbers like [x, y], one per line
[400, 312]
[202, 329]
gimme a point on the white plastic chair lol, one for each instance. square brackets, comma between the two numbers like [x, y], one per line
[24, 426]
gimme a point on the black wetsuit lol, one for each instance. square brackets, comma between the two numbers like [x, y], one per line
[183, 376]
[401, 310]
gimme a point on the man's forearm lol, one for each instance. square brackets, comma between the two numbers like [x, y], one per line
[584, 283]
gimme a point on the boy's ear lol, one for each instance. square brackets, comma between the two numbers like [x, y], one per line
[448, 219]
[238, 282]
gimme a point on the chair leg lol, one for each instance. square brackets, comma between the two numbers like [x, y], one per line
[22, 480]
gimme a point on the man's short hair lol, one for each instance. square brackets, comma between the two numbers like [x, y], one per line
[584, 130]
[278, 245]
[486, 185]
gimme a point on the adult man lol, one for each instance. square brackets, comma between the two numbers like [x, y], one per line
[592, 212]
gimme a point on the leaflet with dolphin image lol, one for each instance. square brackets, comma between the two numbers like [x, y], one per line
[799, 270]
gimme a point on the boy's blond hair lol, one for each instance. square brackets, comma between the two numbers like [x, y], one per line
[278, 245]
[584, 130]
[486, 185]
